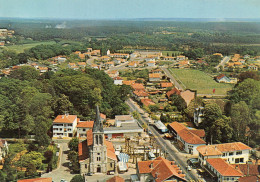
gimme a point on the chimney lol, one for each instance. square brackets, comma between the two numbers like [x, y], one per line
[66, 113]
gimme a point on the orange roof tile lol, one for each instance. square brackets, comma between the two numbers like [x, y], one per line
[200, 133]
[36, 180]
[186, 134]
[89, 137]
[81, 63]
[249, 178]
[141, 93]
[166, 84]
[129, 82]
[103, 116]
[116, 179]
[83, 150]
[219, 148]
[85, 124]
[147, 102]
[172, 92]
[138, 86]
[110, 150]
[65, 119]
[154, 75]
[161, 169]
[223, 167]
[248, 169]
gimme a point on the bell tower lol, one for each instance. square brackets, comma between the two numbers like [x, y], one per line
[98, 154]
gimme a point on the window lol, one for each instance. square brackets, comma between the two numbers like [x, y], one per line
[84, 129]
[224, 154]
[239, 152]
[69, 124]
[241, 160]
[98, 158]
[96, 139]
[111, 164]
[86, 166]
[231, 153]
[98, 153]
[236, 160]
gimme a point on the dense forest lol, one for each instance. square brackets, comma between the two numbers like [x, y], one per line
[30, 101]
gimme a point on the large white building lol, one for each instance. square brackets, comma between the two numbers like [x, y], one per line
[65, 125]
[233, 153]
[123, 119]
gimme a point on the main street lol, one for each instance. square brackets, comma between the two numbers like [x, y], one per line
[172, 152]
[173, 80]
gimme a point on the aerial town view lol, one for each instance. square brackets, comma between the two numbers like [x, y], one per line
[129, 91]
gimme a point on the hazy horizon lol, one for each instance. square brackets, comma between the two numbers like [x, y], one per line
[135, 9]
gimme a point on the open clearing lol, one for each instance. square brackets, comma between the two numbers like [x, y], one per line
[22, 47]
[200, 81]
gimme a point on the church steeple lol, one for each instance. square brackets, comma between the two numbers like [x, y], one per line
[98, 126]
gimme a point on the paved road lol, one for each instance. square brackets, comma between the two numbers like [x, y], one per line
[223, 61]
[63, 171]
[173, 80]
[173, 153]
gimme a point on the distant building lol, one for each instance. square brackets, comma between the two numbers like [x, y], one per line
[198, 115]
[222, 79]
[119, 119]
[151, 63]
[154, 77]
[119, 55]
[118, 80]
[253, 67]
[83, 127]
[180, 58]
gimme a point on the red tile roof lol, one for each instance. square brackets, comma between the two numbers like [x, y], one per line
[154, 75]
[219, 148]
[161, 169]
[85, 124]
[186, 134]
[89, 137]
[147, 102]
[129, 82]
[138, 86]
[248, 169]
[249, 178]
[220, 76]
[223, 167]
[166, 84]
[65, 119]
[172, 92]
[116, 179]
[83, 150]
[141, 93]
[36, 180]
[200, 133]
[103, 116]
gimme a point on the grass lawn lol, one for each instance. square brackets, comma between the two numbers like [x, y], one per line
[21, 48]
[171, 53]
[200, 81]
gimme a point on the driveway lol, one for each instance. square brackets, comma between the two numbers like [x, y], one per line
[63, 171]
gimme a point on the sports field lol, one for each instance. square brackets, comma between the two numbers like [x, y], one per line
[21, 48]
[200, 81]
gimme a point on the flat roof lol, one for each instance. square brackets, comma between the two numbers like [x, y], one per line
[124, 128]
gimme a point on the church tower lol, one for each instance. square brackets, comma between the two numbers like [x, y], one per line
[98, 152]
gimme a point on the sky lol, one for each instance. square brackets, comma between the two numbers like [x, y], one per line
[130, 9]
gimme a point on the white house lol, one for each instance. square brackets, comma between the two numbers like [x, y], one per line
[3, 149]
[83, 127]
[151, 63]
[123, 119]
[118, 81]
[65, 125]
[233, 153]
[154, 77]
[222, 170]
[187, 139]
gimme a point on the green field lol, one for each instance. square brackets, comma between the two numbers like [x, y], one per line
[21, 48]
[171, 53]
[200, 81]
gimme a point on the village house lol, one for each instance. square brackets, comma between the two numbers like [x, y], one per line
[43, 69]
[133, 64]
[223, 171]
[109, 64]
[129, 82]
[119, 55]
[82, 64]
[138, 86]
[118, 80]
[96, 155]
[147, 102]
[223, 79]
[83, 127]
[165, 85]
[140, 94]
[159, 169]
[183, 64]
[187, 139]
[65, 125]
[253, 67]
[233, 153]
[168, 58]
[105, 58]
[180, 58]
[151, 63]
[118, 61]
[95, 66]
[113, 73]
[154, 77]
[3, 150]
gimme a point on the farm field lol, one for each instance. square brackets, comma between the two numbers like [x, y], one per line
[22, 47]
[200, 81]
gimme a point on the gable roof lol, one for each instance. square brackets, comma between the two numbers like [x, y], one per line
[166, 84]
[223, 167]
[65, 118]
[248, 169]
[249, 178]
[116, 179]
[154, 75]
[173, 91]
[200, 132]
[85, 124]
[161, 169]
[220, 76]
[186, 134]
[138, 86]
[83, 150]
[218, 149]
[110, 150]
[128, 82]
